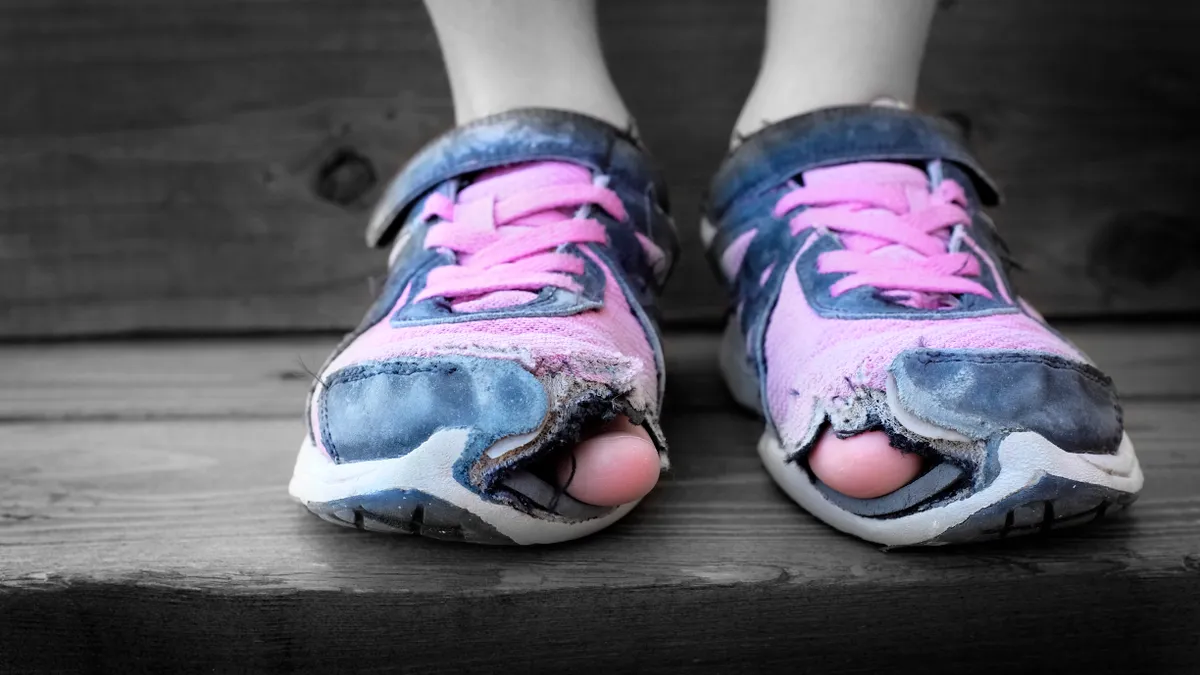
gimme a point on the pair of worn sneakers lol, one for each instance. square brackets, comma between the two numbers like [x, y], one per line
[869, 293]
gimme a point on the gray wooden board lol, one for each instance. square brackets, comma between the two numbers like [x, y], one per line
[235, 377]
[208, 164]
[148, 530]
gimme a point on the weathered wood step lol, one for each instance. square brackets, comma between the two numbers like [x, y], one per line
[144, 526]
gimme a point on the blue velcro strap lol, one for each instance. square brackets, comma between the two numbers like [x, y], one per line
[835, 136]
[524, 136]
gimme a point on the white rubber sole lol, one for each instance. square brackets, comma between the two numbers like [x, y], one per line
[424, 481]
[1026, 459]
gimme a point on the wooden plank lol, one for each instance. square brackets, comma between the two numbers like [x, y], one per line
[270, 378]
[205, 503]
[156, 535]
[155, 380]
[207, 165]
[169, 545]
[184, 194]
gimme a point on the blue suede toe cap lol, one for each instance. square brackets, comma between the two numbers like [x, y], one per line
[984, 393]
[386, 409]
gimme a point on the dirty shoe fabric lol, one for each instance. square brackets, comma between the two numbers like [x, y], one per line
[528, 250]
[870, 294]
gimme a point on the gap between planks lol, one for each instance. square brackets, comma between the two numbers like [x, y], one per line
[239, 378]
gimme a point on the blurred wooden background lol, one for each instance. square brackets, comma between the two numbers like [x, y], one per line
[207, 166]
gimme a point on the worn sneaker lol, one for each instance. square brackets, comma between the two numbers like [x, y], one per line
[529, 250]
[871, 296]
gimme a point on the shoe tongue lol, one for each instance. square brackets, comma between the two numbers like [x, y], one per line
[494, 300]
[868, 172]
[509, 180]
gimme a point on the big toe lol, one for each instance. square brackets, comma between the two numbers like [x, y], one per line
[616, 466]
[863, 466]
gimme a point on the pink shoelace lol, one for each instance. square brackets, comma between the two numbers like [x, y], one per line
[506, 229]
[897, 232]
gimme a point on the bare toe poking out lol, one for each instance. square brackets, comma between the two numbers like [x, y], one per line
[616, 466]
[863, 466]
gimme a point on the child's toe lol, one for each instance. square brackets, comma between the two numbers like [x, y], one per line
[617, 466]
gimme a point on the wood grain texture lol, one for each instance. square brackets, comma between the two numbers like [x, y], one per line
[239, 378]
[159, 164]
[148, 530]
[1081, 110]
[207, 165]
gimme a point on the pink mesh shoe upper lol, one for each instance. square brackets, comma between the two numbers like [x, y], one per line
[888, 237]
[813, 360]
[507, 231]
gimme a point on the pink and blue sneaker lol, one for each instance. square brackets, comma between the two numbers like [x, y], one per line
[528, 250]
[871, 298]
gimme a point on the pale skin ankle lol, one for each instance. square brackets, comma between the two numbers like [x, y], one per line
[821, 54]
[507, 54]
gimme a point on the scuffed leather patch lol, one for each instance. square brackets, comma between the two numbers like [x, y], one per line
[982, 393]
[387, 409]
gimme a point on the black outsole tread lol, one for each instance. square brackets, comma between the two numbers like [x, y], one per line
[1057, 503]
[408, 512]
